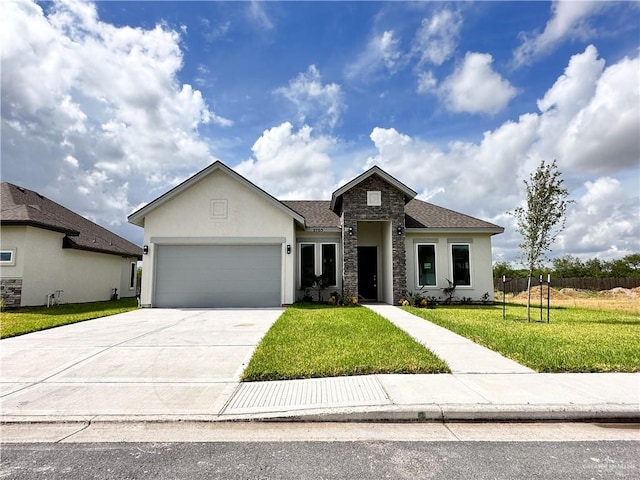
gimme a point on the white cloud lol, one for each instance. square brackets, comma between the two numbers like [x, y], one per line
[436, 40]
[214, 32]
[318, 103]
[427, 82]
[603, 136]
[289, 164]
[474, 86]
[259, 16]
[382, 53]
[591, 115]
[588, 121]
[569, 19]
[90, 109]
[604, 218]
[573, 89]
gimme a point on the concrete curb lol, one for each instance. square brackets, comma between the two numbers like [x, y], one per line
[390, 414]
[465, 413]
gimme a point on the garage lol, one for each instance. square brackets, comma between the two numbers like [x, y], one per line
[218, 276]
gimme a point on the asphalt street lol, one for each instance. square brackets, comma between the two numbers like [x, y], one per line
[322, 460]
[266, 450]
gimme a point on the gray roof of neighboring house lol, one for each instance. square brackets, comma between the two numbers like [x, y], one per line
[21, 206]
[418, 215]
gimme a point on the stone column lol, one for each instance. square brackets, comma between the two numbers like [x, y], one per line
[349, 255]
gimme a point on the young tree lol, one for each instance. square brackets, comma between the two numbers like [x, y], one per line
[541, 219]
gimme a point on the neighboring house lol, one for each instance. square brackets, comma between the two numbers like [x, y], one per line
[50, 253]
[218, 240]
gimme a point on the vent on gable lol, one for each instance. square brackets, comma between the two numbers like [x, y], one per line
[374, 198]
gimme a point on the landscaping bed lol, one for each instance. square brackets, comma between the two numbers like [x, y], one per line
[576, 339]
[312, 340]
[23, 320]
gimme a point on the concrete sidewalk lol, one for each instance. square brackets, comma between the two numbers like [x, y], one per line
[462, 355]
[451, 397]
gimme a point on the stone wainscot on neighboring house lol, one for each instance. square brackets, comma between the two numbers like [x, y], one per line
[50, 253]
[218, 240]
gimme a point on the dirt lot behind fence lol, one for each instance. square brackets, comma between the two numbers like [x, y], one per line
[617, 299]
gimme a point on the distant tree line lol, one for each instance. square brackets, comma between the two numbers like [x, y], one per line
[572, 267]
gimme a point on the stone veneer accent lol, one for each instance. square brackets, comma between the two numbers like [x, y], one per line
[355, 209]
[11, 291]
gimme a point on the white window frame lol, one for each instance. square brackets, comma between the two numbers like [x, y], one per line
[317, 260]
[133, 275]
[468, 245]
[435, 254]
[12, 261]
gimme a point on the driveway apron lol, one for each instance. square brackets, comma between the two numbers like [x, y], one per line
[156, 363]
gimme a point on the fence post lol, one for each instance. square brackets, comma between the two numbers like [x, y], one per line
[540, 298]
[548, 295]
[504, 297]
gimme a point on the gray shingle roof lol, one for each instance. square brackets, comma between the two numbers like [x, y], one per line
[418, 214]
[21, 206]
[316, 213]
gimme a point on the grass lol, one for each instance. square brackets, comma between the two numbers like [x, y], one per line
[576, 340]
[320, 341]
[31, 319]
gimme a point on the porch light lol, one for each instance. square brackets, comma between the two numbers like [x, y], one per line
[351, 231]
[145, 249]
[399, 230]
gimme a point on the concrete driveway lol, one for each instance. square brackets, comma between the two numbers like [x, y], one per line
[154, 363]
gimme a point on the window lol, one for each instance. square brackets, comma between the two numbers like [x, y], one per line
[374, 199]
[461, 265]
[132, 275]
[307, 264]
[8, 257]
[426, 256]
[329, 263]
[318, 261]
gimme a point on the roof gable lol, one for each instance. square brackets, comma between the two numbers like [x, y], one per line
[137, 217]
[21, 206]
[336, 197]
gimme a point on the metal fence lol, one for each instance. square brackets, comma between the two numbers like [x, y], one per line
[517, 285]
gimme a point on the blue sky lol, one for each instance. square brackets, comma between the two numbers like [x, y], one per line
[107, 105]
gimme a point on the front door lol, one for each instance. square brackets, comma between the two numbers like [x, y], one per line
[368, 273]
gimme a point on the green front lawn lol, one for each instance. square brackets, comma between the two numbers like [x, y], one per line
[576, 340]
[320, 341]
[30, 319]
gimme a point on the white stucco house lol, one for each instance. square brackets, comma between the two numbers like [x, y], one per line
[49, 253]
[218, 240]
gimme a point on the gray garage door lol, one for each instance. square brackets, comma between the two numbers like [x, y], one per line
[218, 276]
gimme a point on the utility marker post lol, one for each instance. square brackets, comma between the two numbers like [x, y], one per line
[504, 295]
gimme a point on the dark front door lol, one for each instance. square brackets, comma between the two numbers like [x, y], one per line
[368, 273]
